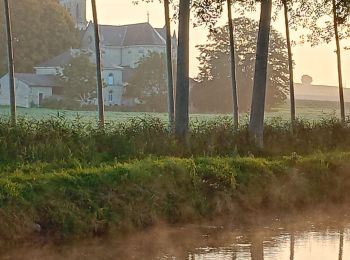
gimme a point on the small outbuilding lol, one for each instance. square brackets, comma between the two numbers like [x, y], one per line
[31, 89]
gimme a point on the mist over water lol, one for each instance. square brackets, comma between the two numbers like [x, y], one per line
[303, 237]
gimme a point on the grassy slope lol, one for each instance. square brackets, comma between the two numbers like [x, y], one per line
[70, 200]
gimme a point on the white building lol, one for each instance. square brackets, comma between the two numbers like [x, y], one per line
[122, 47]
[31, 89]
[112, 75]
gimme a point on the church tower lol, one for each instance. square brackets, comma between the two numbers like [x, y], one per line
[77, 10]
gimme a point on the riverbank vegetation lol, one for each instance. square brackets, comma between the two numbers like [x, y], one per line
[66, 179]
[74, 200]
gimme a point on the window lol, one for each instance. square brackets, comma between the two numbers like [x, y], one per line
[110, 96]
[141, 51]
[110, 79]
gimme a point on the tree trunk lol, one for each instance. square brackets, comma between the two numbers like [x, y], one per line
[233, 67]
[341, 245]
[182, 82]
[100, 98]
[292, 246]
[256, 126]
[290, 62]
[340, 75]
[10, 62]
[169, 65]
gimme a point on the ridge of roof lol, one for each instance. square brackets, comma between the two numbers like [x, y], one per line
[130, 34]
[38, 80]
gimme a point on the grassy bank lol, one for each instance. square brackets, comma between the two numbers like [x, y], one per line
[55, 140]
[74, 200]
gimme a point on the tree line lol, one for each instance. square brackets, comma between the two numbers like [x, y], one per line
[306, 13]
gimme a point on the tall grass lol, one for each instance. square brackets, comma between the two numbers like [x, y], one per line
[58, 139]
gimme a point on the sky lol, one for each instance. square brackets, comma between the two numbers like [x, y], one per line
[319, 62]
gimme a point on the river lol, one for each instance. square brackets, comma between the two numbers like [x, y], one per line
[304, 237]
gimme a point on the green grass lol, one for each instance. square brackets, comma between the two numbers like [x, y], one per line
[74, 200]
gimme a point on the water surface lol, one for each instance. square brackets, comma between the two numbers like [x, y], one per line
[302, 238]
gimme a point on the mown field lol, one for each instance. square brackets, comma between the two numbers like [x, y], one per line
[309, 110]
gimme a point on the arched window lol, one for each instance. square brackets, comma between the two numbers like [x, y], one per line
[110, 79]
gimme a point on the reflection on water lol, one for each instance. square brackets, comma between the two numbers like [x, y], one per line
[324, 244]
[271, 240]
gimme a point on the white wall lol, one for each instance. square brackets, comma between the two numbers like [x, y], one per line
[112, 55]
[117, 74]
[34, 94]
[116, 90]
[117, 95]
[22, 92]
[25, 96]
[133, 54]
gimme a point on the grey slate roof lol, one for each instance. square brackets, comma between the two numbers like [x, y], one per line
[130, 35]
[34, 80]
[161, 31]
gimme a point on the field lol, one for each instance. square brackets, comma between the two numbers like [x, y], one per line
[309, 110]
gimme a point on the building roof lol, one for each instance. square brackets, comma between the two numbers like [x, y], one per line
[130, 35]
[60, 60]
[319, 92]
[161, 31]
[34, 80]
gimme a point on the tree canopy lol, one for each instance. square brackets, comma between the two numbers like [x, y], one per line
[214, 75]
[149, 81]
[79, 80]
[41, 30]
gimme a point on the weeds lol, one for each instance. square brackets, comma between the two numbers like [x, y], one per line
[80, 201]
[58, 139]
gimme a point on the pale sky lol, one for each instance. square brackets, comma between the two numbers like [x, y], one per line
[319, 62]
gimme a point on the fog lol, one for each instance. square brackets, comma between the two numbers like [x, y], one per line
[311, 235]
